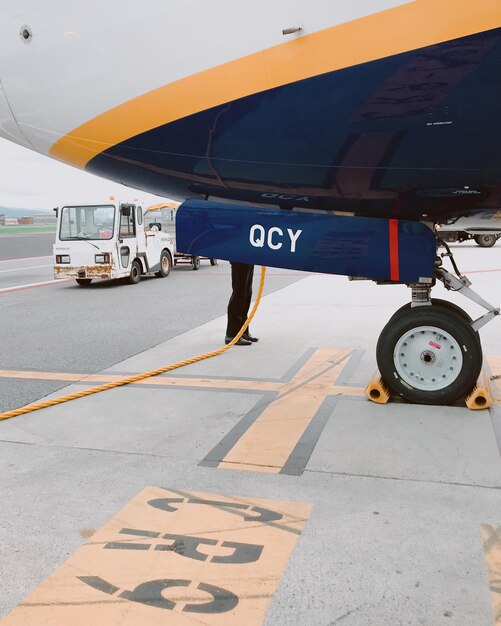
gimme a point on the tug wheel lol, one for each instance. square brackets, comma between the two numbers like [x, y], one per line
[429, 355]
[135, 273]
[165, 264]
[84, 282]
[195, 262]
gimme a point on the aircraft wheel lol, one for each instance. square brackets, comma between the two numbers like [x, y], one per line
[430, 355]
[165, 264]
[438, 302]
[135, 273]
[195, 261]
[84, 282]
[485, 241]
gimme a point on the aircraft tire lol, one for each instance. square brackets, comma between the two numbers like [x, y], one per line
[439, 302]
[485, 241]
[135, 273]
[430, 355]
[84, 282]
[165, 264]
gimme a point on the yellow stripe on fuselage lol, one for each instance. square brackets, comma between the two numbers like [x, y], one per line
[394, 31]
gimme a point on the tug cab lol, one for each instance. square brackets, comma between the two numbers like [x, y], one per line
[109, 241]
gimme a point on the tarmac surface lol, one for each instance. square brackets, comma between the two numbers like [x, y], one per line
[257, 487]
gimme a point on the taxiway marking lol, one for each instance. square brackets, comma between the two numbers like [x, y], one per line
[32, 285]
[26, 258]
[174, 558]
[164, 381]
[491, 538]
[20, 269]
[269, 441]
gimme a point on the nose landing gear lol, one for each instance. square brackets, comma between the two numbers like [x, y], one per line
[429, 355]
[430, 351]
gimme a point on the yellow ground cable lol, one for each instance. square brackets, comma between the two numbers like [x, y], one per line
[138, 377]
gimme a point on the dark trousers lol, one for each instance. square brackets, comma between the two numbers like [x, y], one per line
[238, 306]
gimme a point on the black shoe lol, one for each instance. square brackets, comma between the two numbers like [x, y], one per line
[249, 337]
[240, 342]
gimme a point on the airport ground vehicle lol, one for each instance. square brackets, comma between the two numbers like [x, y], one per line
[484, 228]
[109, 241]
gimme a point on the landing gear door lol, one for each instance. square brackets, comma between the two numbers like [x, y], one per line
[127, 235]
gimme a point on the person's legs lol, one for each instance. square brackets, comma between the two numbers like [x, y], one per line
[238, 299]
[248, 297]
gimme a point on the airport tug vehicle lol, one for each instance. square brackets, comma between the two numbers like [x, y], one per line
[109, 241]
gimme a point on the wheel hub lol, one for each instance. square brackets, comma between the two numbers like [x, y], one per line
[428, 358]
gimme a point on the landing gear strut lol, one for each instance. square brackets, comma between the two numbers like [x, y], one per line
[430, 350]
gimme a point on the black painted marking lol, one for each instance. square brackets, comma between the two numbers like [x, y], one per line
[263, 515]
[299, 457]
[187, 546]
[164, 504]
[223, 602]
[217, 454]
[139, 533]
[304, 449]
[294, 369]
[124, 545]
[150, 593]
[243, 553]
[286, 378]
[284, 527]
[343, 380]
[218, 503]
[99, 584]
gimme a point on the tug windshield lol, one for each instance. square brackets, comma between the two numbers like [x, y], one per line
[87, 222]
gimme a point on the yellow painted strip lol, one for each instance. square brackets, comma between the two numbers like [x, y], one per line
[495, 367]
[214, 383]
[270, 440]
[491, 537]
[401, 29]
[210, 560]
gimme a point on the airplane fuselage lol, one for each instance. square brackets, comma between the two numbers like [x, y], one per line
[383, 108]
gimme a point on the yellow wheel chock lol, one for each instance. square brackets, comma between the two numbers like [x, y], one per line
[479, 398]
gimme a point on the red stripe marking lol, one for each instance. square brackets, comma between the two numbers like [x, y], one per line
[394, 259]
[481, 271]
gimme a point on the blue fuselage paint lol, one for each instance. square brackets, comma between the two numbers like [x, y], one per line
[411, 135]
[306, 240]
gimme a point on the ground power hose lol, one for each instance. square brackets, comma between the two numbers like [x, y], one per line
[138, 377]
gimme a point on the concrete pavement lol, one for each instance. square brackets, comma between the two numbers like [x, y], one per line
[394, 508]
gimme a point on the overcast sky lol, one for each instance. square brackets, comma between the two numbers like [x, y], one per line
[29, 180]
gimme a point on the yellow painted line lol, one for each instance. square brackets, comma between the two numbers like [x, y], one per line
[216, 383]
[270, 440]
[179, 560]
[384, 34]
[491, 537]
